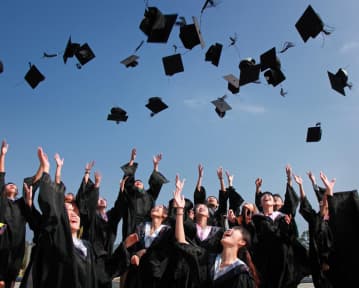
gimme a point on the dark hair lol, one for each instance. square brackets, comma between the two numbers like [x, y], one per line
[277, 195]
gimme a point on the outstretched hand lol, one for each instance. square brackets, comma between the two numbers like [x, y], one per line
[298, 179]
[44, 160]
[58, 160]
[329, 184]
[4, 147]
[177, 195]
[28, 195]
[200, 171]
[258, 182]
[89, 166]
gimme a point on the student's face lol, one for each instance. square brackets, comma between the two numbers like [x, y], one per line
[202, 210]
[232, 238]
[11, 190]
[101, 203]
[278, 203]
[159, 211]
[74, 218]
[212, 202]
[138, 184]
[69, 198]
[267, 200]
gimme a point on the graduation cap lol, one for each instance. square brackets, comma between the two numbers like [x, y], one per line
[310, 24]
[117, 114]
[190, 35]
[156, 105]
[233, 83]
[213, 54]
[269, 60]
[130, 61]
[274, 77]
[339, 81]
[33, 76]
[157, 26]
[84, 54]
[314, 134]
[1, 67]
[249, 71]
[70, 50]
[172, 64]
[221, 106]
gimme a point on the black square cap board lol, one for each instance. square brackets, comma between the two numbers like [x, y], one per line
[172, 64]
[339, 81]
[117, 114]
[269, 60]
[84, 54]
[309, 24]
[70, 50]
[213, 54]
[156, 105]
[33, 76]
[190, 35]
[156, 25]
[274, 77]
[233, 83]
[249, 71]
[130, 61]
[314, 134]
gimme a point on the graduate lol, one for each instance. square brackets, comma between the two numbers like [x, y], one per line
[224, 270]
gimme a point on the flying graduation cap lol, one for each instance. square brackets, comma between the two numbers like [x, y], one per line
[221, 106]
[249, 71]
[310, 24]
[314, 134]
[213, 54]
[156, 105]
[172, 64]
[190, 35]
[1, 67]
[339, 81]
[270, 63]
[130, 61]
[83, 53]
[33, 76]
[156, 25]
[117, 114]
[233, 83]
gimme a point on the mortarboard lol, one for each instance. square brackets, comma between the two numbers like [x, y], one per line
[314, 134]
[156, 105]
[274, 76]
[233, 83]
[84, 54]
[249, 71]
[173, 64]
[339, 81]
[70, 50]
[130, 61]
[117, 114]
[221, 106]
[1, 67]
[269, 60]
[190, 35]
[34, 76]
[309, 24]
[213, 54]
[157, 26]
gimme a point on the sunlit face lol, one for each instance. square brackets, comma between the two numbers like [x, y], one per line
[202, 210]
[159, 211]
[101, 203]
[277, 203]
[232, 238]
[74, 218]
[11, 190]
[69, 198]
[138, 184]
[267, 200]
[212, 202]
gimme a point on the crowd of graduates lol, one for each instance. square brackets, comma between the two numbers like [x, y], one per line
[208, 241]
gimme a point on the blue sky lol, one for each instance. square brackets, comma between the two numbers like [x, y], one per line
[262, 133]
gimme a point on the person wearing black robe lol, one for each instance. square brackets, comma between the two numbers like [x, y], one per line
[13, 216]
[138, 200]
[224, 270]
[320, 237]
[99, 226]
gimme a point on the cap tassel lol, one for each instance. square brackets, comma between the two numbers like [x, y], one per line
[139, 46]
[327, 30]
[286, 46]
[46, 55]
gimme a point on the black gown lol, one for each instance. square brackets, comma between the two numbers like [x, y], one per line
[320, 243]
[12, 240]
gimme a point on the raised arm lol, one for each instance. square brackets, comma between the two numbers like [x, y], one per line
[88, 168]
[289, 172]
[156, 161]
[221, 180]
[299, 181]
[179, 202]
[258, 195]
[59, 164]
[200, 177]
[329, 184]
[199, 195]
[4, 148]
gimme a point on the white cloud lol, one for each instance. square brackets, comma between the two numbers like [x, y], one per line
[350, 46]
[254, 109]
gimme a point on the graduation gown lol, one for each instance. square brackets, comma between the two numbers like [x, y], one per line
[320, 243]
[12, 240]
[344, 223]
[99, 232]
[153, 264]
[139, 203]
